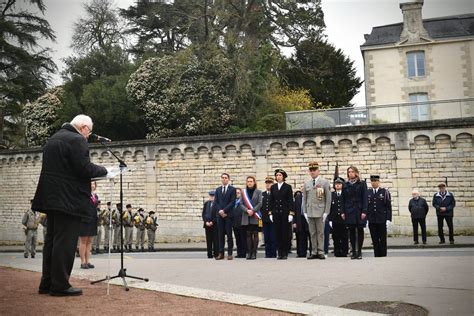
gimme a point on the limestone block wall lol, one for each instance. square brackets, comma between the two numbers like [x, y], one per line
[172, 176]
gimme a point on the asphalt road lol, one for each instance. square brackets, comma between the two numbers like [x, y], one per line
[441, 280]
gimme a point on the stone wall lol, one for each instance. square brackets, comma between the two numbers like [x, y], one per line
[172, 176]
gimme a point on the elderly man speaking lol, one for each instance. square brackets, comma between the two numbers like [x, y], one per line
[64, 193]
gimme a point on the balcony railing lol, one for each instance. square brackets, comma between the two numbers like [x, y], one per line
[381, 114]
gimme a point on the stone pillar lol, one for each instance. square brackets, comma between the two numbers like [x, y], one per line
[150, 179]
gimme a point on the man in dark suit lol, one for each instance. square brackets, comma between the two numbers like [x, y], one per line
[379, 214]
[281, 211]
[209, 218]
[224, 201]
[64, 192]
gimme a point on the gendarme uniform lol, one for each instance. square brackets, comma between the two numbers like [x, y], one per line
[128, 226]
[151, 224]
[379, 212]
[106, 224]
[339, 230]
[139, 221]
[31, 221]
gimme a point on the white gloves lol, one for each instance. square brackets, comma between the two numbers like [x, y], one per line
[387, 223]
[324, 217]
[330, 224]
[306, 217]
[290, 218]
[271, 218]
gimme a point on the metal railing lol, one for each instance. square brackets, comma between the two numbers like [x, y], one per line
[381, 114]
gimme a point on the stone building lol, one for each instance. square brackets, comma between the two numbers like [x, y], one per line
[172, 176]
[429, 61]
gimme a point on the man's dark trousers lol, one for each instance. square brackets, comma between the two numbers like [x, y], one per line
[224, 226]
[378, 232]
[422, 222]
[59, 250]
[211, 241]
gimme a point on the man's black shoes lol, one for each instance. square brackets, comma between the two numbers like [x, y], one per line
[72, 291]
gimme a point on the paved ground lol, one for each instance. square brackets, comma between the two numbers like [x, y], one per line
[439, 279]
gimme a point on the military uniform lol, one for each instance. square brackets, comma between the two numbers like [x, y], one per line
[128, 226]
[31, 221]
[106, 226]
[151, 224]
[379, 213]
[96, 240]
[281, 207]
[116, 223]
[269, 234]
[339, 229]
[139, 221]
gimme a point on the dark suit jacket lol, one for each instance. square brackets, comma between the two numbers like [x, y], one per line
[208, 213]
[224, 202]
[65, 180]
[281, 201]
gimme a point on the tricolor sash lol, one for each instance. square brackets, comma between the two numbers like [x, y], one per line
[249, 205]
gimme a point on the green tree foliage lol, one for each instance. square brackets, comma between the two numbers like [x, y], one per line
[24, 65]
[183, 95]
[325, 71]
[41, 117]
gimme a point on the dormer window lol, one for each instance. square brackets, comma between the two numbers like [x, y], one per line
[416, 64]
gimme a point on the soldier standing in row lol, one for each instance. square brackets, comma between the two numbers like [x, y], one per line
[336, 220]
[379, 214]
[151, 224]
[355, 210]
[281, 211]
[139, 221]
[116, 223]
[317, 203]
[106, 224]
[128, 226]
[30, 220]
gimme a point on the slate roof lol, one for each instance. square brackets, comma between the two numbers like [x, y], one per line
[438, 28]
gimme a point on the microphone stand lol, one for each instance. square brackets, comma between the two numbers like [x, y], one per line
[122, 272]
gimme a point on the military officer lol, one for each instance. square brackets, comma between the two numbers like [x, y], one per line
[151, 224]
[281, 211]
[139, 221]
[128, 226]
[336, 220]
[31, 221]
[379, 215]
[317, 204]
[269, 234]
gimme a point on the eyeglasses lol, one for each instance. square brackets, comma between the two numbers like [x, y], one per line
[88, 128]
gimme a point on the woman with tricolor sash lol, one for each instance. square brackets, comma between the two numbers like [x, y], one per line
[251, 202]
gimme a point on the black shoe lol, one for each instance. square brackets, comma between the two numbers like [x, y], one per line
[311, 257]
[424, 243]
[320, 256]
[284, 257]
[451, 242]
[415, 243]
[43, 291]
[359, 256]
[353, 257]
[84, 266]
[90, 266]
[279, 257]
[69, 292]
[441, 242]
[25, 255]
[33, 256]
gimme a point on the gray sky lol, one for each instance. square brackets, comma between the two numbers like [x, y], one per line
[346, 20]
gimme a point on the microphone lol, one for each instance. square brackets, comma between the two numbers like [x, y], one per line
[97, 138]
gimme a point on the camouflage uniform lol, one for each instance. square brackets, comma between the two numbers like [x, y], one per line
[31, 221]
[128, 226]
[139, 221]
[151, 225]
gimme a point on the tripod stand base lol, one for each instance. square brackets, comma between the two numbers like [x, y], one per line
[121, 274]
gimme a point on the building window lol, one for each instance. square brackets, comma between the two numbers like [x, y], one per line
[416, 64]
[420, 111]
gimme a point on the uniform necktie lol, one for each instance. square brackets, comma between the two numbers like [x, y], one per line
[314, 182]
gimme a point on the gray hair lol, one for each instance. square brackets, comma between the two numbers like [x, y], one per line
[415, 191]
[81, 120]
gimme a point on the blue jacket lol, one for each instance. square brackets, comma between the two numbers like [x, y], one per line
[447, 201]
[379, 208]
[224, 202]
